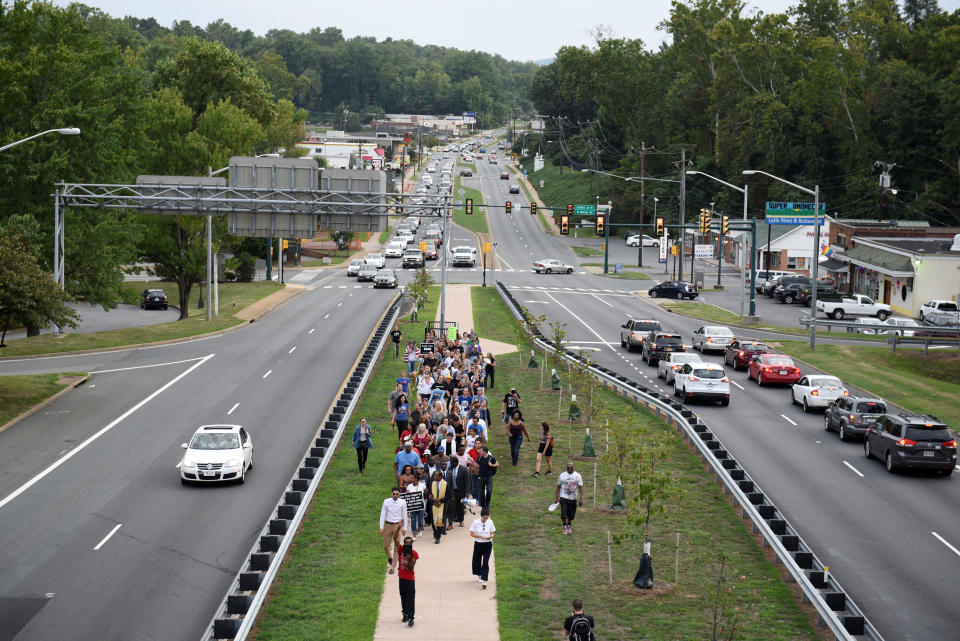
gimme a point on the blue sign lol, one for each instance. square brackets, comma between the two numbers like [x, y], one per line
[792, 220]
[781, 213]
[618, 269]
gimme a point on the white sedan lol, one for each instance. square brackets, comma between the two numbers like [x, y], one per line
[817, 391]
[402, 238]
[636, 239]
[667, 368]
[374, 259]
[394, 250]
[901, 326]
[217, 453]
[551, 265]
[715, 337]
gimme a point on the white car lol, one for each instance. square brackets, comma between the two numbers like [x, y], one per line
[866, 325]
[698, 380]
[428, 180]
[217, 453]
[354, 267]
[403, 230]
[670, 364]
[817, 391]
[402, 239]
[551, 265]
[394, 250]
[463, 256]
[712, 337]
[636, 239]
[374, 259]
[901, 326]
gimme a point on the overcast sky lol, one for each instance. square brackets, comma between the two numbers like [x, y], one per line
[515, 29]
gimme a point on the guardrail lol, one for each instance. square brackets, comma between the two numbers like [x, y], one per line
[239, 608]
[835, 609]
[930, 335]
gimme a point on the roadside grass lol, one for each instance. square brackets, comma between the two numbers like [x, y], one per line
[560, 186]
[491, 318]
[233, 298]
[331, 582]
[477, 221]
[586, 251]
[20, 393]
[926, 384]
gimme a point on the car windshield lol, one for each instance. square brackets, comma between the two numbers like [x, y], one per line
[825, 381]
[648, 326]
[356, 263]
[207, 441]
[708, 373]
[718, 331]
[685, 358]
[868, 407]
[754, 347]
[778, 360]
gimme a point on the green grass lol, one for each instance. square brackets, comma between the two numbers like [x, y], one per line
[385, 234]
[233, 298]
[476, 222]
[927, 384]
[491, 318]
[561, 188]
[332, 581]
[20, 393]
[586, 251]
[337, 258]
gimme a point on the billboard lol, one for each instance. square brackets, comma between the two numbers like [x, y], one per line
[787, 213]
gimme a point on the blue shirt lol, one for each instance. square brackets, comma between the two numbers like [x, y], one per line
[465, 403]
[405, 384]
[403, 412]
[403, 458]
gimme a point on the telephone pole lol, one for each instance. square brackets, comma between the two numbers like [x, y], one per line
[683, 206]
[643, 183]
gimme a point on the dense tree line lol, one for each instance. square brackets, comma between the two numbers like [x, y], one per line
[816, 95]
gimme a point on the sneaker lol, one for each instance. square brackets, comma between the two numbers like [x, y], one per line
[405, 618]
[410, 623]
[549, 471]
[390, 571]
[479, 580]
[483, 584]
[535, 475]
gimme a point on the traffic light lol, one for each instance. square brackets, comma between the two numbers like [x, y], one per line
[469, 206]
[704, 221]
[564, 225]
[725, 225]
[509, 206]
[533, 209]
[570, 210]
[659, 227]
[600, 223]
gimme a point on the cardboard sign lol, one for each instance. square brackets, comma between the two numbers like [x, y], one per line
[414, 501]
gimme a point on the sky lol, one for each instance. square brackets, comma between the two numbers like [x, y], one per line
[516, 29]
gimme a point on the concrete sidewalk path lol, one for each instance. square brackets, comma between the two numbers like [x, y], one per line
[460, 308]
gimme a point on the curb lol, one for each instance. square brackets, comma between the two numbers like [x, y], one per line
[39, 406]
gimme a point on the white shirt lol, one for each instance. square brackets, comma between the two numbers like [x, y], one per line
[481, 426]
[568, 484]
[393, 511]
[483, 530]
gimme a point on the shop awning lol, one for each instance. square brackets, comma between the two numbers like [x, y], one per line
[833, 265]
[879, 260]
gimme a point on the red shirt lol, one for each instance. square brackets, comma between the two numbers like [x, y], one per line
[403, 571]
[473, 453]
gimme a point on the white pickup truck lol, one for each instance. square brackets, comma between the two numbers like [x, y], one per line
[942, 313]
[853, 305]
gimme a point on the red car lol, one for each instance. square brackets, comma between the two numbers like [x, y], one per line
[504, 176]
[431, 253]
[773, 368]
[739, 352]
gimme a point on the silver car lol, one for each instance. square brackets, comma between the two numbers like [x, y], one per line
[354, 267]
[817, 391]
[712, 337]
[667, 367]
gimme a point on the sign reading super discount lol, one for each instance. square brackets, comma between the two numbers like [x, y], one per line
[779, 213]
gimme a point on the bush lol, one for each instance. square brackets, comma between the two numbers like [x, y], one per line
[246, 269]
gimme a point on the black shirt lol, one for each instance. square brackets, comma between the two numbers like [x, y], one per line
[483, 464]
[569, 621]
[512, 402]
[396, 335]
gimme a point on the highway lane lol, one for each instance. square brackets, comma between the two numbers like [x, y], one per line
[162, 572]
[873, 529]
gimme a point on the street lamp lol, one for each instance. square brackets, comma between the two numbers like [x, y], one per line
[815, 192]
[66, 131]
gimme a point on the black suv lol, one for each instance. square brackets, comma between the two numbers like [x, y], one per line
[823, 289]
[779, 292]
[634, 332]
[851, 416]
[659, 343]
[916, 441]
[153, 299]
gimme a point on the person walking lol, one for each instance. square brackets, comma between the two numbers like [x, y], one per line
[486, 467]
[408, 587]
[545, 449]
[511, 404]
[396, 336]
[457, 479]
[482, 530]
[393, 519]
[362, 442]
[569, 485]
[438, 501]
[516, 429]
[401, 413]
[489, 370]
[412, 357]
[417, 516]
[406, 456]
[578, 626]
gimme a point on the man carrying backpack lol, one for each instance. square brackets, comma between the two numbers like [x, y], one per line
[579, 626]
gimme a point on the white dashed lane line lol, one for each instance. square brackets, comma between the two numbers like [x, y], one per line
[737, 384]
[855, 470]
[269, 371]
[945, 542]
[313, 330]
[235, 406]
[292, 349]
[107, 537]
[787, 419]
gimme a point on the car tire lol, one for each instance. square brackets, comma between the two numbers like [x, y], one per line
[569, 270]
[806, 407]
[654, 294]
[686, 398]
[837, 314]
[866, 448]
[793, 399]
[843, 432]
[888, 462]
[788, 300]
[623, 343]
[826, 423]
[680, 296]
[659, 375]
[548, 270]
[759, 379]
[165, 307]
[725, 402]
[242, 478]
[882, 316]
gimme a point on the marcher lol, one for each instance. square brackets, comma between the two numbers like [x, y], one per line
[486, 467]
[511, 404]
[404, 380]
[482, 530]
[417, 516]
[569, 485]
[406, 456]
[489, 370]
[401, 413]
[457, 480]
[578, 626]
[408, 587]
[413, 357]
[545, 449]
[396, 336]
[516, 429]
[362, 442]
[438, 501]
[393, 519]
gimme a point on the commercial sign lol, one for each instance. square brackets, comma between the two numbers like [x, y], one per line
[782, 213]
[703, 251]
[663, 247]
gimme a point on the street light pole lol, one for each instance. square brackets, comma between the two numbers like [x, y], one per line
[66, 131]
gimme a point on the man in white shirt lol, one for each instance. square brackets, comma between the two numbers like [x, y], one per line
[393, 525]
[481, 530]
[569, 486]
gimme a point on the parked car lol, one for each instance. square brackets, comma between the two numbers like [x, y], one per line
[216, 453]
[514, 189]
[153, 299]
[824, 290]
[769, 275]
[648, 241]
[550, 266]
[712, 337]
[943, 313]
[705, 381]
[789, 293]
[634, 332]
[659, 344]
[865, 325]
[853, 305]
[674, 289]
[354, 267]
[780, 291]
[770, 285]
[773, 368]
[671, 363]
[375, 259]
[913, 441]
[739, 352]
[900, 326]
[817, 391]
[386, 278]
[851, 416]
[413, 258]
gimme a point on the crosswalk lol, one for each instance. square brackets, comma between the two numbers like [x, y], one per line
[454, 270]
[585, 290]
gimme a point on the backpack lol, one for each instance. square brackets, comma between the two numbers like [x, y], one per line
[580, 629]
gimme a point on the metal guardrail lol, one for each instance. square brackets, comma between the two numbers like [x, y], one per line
[931, 335]
[835, 609]
[238, 610]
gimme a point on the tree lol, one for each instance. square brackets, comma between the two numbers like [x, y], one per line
[28, 295]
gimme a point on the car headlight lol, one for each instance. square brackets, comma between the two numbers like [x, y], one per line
[187, 462]
[232, 463]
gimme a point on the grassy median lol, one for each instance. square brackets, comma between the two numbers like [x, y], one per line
[20, 393]
[475, 222]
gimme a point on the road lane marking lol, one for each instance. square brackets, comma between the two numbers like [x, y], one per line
[109, 426]
[326, 316]
[125, 369]
[311, 331]
[855, 470]
[736, 383]
[107, 537]
[582, 322]
[269, 371]
[601, 300]
[292, 349]
[787, 419]
[235, 406]
[945, 542]
[340, 303]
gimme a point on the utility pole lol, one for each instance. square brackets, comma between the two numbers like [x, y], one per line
[884, 183]
[643, 183]
[683, 205]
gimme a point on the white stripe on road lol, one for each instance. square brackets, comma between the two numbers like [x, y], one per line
[601, 300]
[787, 419]
[326, 316]
[107, 537]
[311, 331]
[945, 542]
[291, 349]
[340, 303]
[36, 479]
[269, 371]
[125, 369]
[855, 470]
[582, 322]
[235, 406]
[736, 383]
